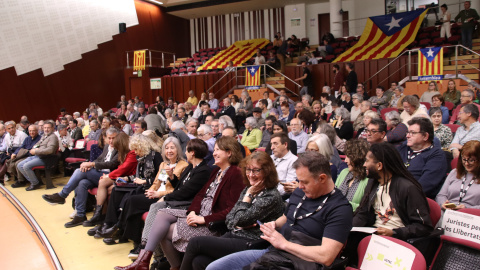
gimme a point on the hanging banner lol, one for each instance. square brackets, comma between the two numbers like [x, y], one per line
[430, 65]
[252, 78]
[139, 60]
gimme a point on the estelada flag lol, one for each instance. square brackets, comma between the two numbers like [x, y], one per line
[252, 77]
[239, 53]
[385, 36]
[430, 65]
[139, 60]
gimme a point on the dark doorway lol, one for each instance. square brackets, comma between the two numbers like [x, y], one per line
[324, 25]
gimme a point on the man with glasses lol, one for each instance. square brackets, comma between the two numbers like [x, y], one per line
[422, 157]
[283, 159]
[470, 129]
[376, 131]
[204, 132]
[361, 91]
[298, 135]
[467, 97]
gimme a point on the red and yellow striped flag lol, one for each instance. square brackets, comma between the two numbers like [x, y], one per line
[239, 53]
[252, 77]
[139, 60]
[385, 36]
[430, 65]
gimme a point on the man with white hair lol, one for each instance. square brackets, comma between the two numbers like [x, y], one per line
[204, 132]
[179, 131]
[22, 153]
[298, 135]
[13, 139]
[328, 90]
[228, 109]
[192, 98]
[192, 125]
[225, 121]
[132, 114]
[76, 115]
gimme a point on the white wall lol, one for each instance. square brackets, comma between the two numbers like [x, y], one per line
[293, 12]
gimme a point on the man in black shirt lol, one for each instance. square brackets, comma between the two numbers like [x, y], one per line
[352, 80]
[307, 81]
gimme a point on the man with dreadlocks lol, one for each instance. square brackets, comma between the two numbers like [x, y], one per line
[395, 203]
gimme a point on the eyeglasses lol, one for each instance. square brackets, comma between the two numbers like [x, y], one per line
[469, 160]
[311, 150]
[411, 133]
[464, 96]
[371, 131]
[199, 135]
[253, 171]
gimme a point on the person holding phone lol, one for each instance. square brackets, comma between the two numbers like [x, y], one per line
[461, 188]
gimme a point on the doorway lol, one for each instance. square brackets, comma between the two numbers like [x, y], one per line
[324, 25]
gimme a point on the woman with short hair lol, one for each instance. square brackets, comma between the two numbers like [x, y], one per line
[252, 136]
[322, 144]
[439, 102]
[441, 132]
[367, 117]
[397, 131]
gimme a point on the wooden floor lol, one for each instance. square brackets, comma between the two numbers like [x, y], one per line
[74, 248]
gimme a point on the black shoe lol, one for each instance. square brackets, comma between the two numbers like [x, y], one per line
[133, 255]
[33, 187]
[94, 230]
[107, 232]
[76, 221]
[54, 199]
[97, 217]
[18, 184]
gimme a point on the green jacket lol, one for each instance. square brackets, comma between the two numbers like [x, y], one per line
[465, 14]
[357, 198]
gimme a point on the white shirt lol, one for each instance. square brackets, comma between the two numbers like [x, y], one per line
[354, 113]
[13, 141]
[64, 140]
[285, 170]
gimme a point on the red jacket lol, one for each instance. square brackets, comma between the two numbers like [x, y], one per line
[128, 167]
[225, 197]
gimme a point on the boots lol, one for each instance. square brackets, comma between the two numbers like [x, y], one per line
[97, 217]
[142, 263]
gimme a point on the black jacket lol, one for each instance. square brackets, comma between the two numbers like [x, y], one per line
[229, 111]
[352, 82]
[409, 202]
[186, 190]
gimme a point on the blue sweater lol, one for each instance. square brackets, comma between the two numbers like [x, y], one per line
[28, 143]
[429, 168]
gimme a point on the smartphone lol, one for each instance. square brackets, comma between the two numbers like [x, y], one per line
[259, 223]
[120, 180]
[450, 205]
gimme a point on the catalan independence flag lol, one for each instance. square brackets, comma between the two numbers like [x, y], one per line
[385, 36]
[252, 77]
[430, 65]
[139, 60]
[239, 53]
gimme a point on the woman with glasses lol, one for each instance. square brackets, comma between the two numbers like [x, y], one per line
[259, 201]
[461, 188]
[432, 91]
[367, 118]
[322, 144]
[438, 102]
[173, 228]
[397, 97]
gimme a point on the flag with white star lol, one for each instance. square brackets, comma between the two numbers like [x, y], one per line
[252, 77]
[385, 36]
[430, 65]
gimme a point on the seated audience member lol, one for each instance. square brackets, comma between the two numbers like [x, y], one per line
[298, 108]
[123, 100]
[179, 131]
[397, 98]
[267, 131]
[19, 155]
[168, 113]
[229, 67]
[439, 102]
[75, 132]
[97, 149]
[121, 110]
[393, 202]
[192, 125]
[95, 131]
[126, 127]
[190, 182]
[390, 91]
[124, 220]
[467, 97]
[188, 109]
[127, 167]
[367, 117]
[342, 124]
[338, 144]
[431, 91]
[205, 112]
[252, 136]
[65, 142]
[259, 201]
[364, 107]
[452, 94]
[298, 135]
[411, 108]
[170, 102]
[461, 188]
[192, 98]
[345, 100]
[326, 104]
[12, 140]
[470, 129]
[154, 121]
[376, 131]
[209, 119]
[283, 160]
[140, 126]
[441, 132]
[132, 114]
[355, 110]
[228, 109]
[263, 104]
[424, 159]
[42, 154]
[204, 132]
[327, 90]
[225, 121]
[397, 131]
[235, 103]
[285, 114]
[361, 91]
[321, 143]
[215, 125]
[379, 101]
[87, 177]
[181, 115]
[279, 127]
[320, 234]
[232, 132]
[353, 180]
[212, 203]
[105, 122]
[212, 101]
[307, 119]
[257, 114]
